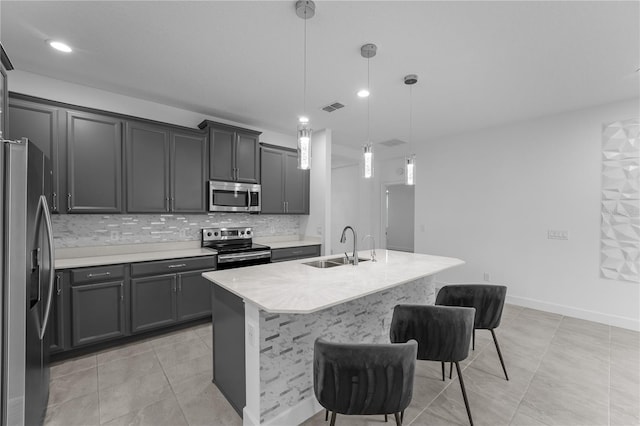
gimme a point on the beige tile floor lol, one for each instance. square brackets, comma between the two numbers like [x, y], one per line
[563, 371]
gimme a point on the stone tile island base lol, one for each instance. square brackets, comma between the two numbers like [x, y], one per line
[279, 349]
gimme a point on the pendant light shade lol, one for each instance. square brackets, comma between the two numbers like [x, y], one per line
[305, 9]
[410, 170]
[304, 144]
[410, 161]
[368, 161]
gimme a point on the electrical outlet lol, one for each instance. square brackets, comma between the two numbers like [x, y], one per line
[251, 334]
[553, 234]
[487, 277]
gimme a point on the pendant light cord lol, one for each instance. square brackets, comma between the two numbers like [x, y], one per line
[304, 90]
[410, 113]
[368, 101]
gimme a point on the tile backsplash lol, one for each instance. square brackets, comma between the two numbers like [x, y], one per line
[83, 230]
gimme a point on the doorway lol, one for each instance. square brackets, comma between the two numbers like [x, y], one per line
[398, 216]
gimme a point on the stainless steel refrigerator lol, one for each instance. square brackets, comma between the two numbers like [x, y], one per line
[27, 270]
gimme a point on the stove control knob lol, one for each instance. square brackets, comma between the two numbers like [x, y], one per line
[241, 232]
[248, 232]
[208, 233]
[215, 234]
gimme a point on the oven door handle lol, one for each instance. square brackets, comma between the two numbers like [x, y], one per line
[238, 257]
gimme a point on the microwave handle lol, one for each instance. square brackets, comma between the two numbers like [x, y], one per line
[248, 199]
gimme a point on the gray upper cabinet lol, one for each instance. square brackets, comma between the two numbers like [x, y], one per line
[188, 172]
[285, 188]
[94, 163]
[40, 123]
[147, 159]
[166, 169]
[233, 153]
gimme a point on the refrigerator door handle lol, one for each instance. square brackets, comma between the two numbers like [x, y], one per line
[47, 220]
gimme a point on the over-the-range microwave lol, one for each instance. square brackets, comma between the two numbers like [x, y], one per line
[234, 197]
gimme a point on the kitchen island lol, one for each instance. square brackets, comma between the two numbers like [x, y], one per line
[267, 317]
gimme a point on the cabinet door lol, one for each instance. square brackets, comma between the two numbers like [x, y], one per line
[39, 123]
[296, 185]
[194, 296]
[272, 181]
[147, 156]
[246, 158]
[56, 328]
[221, 147]
[188, 172]
[98, 312]
[153, 302]
[94, 163]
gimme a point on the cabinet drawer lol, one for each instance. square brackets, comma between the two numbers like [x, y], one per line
[290, 253]
[174, 265]
[98, 273]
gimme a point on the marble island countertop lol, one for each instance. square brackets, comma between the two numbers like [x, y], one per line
[292, 287]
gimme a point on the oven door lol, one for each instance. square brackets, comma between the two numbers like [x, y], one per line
[237, 260]
[234, 197]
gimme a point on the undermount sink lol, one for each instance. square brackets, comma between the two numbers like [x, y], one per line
[330, 263]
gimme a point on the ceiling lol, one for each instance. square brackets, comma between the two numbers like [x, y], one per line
[480, 64]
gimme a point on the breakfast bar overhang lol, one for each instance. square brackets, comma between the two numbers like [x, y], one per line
[267, 317]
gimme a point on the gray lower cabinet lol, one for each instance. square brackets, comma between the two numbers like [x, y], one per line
[292, 253]
[285, 188]
[94, 163]
[40, 123]
[98, 312]
[56, 330]
[153, 302]
[165, 292]
[194, 296]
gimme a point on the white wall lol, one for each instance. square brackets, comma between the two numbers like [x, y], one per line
[62, 91]
[489, 197]
[318, 222]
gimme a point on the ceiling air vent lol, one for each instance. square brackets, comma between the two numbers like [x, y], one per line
[392, 142]
[332, 107]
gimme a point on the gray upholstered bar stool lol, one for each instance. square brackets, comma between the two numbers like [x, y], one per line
[363, 379]
[487, 299]
[443, 334]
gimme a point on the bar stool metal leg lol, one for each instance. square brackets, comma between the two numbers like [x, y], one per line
[326, 415]
[398, 421]
[333, 419]
[495, 340]
[464, 393]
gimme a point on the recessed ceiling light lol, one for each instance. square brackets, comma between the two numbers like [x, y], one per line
[58, 45]
[363, 93]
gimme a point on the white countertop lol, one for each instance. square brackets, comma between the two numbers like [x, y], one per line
[127, 253]
[288, 241]
[292, 287]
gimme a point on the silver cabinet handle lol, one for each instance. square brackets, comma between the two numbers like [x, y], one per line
[100, 274]
[174, 287]
[54, 201]
[237, 173]
[58, 286]
[173, 204]
[68, 201]
[180, 286]
[178, 265]
[121, 292]
[166, 203]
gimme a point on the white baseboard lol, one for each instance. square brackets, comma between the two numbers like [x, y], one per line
[247, 419]
[570, 311]
[296, 414]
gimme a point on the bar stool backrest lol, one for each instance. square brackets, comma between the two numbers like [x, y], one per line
[487, 299]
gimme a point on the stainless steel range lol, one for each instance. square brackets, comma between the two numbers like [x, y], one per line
[235, 247]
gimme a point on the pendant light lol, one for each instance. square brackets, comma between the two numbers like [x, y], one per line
[410, 161]
[368, 51]
[305, 9]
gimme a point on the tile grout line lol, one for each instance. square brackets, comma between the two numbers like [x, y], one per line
[536, 371]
